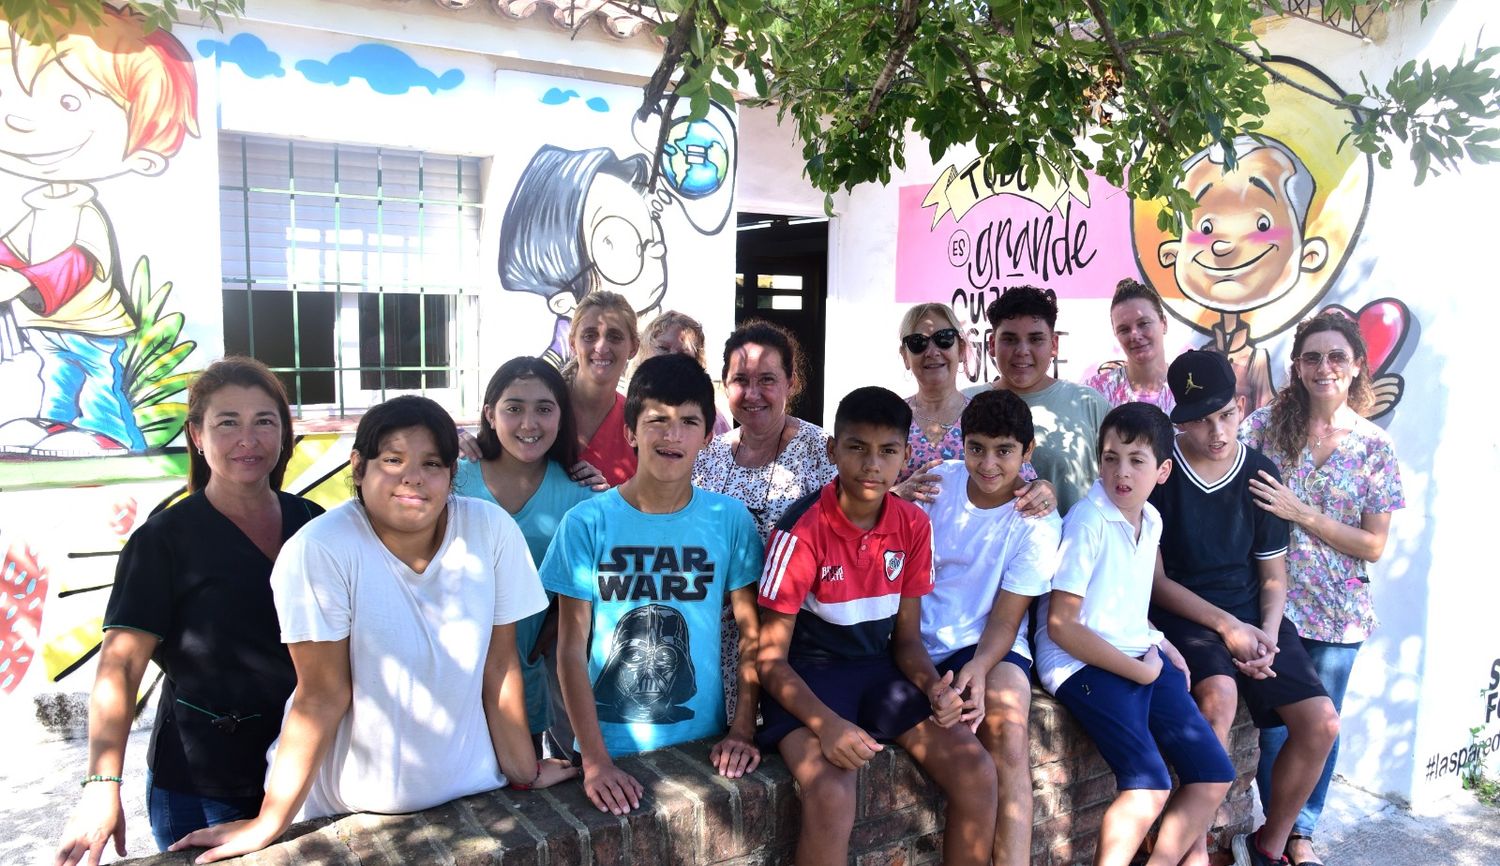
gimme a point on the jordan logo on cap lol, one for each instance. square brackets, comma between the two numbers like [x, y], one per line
[1188, 388]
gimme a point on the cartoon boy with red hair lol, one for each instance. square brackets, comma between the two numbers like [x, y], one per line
[103, 101]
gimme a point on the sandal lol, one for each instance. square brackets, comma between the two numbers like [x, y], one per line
[1308, 840]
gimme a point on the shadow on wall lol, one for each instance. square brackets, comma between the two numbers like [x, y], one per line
[1381, 709]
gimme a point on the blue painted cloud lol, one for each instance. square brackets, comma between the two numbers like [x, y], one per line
[557, 96]
[247, 52]
[598, 104]
[388, 70]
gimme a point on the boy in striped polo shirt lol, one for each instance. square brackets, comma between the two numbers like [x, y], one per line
[842, 664]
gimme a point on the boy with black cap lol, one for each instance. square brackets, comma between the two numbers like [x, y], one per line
[1220, 589]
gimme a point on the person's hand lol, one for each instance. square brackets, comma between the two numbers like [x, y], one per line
[553, 771]
[1275, 497]
[228, 840]
[970, 683]
[97, 819]
[734, 756]
[1246, 643]
[1150, 666]
[1036, 499]
[1174, 657]
[468, 446]
[947, 703]
[611, 789]
[924, 485]
[588, 476]
[849, 746]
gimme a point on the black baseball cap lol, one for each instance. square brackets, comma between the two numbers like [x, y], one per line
[1202, 383]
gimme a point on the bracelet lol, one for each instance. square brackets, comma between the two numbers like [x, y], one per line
[97, 778]
[527, 786]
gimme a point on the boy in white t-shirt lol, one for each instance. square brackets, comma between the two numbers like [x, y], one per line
[990, 564]
[1097, 651]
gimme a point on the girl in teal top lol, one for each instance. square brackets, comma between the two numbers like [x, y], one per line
[527, 441]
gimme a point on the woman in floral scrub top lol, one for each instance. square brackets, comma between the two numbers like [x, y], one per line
[1341, 483]
[768, 462]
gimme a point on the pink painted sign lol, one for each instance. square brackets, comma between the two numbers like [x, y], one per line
[968, 235]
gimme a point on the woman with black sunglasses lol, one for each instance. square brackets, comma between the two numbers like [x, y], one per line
[933, 349]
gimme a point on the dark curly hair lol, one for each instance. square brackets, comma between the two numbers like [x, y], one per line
[996, 414]
[1024, 301]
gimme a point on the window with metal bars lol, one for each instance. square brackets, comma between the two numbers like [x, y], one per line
[351, 270]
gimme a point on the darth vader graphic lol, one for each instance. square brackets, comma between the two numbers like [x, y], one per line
[649, 674]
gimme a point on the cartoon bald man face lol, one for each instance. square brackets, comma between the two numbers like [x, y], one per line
[1245, 244]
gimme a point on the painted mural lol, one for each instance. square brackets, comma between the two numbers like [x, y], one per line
[104, 102]
[68, 570]
[1271, 237]
[1065, 236]
[1268, 242]
[585, 215]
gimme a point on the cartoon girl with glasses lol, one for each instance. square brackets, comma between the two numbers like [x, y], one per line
[580, 221]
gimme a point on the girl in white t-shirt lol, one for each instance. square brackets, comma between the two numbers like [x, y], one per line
[388, 604]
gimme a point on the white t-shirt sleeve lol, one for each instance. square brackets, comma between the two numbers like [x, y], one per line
[1033, 560]
[518, 590]
[311, 587]
[1082, 546]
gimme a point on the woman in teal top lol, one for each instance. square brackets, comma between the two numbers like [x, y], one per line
[526, 442]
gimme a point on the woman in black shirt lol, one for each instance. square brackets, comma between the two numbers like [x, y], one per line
[192, 594]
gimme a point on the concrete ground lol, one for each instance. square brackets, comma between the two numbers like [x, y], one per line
[40, 787]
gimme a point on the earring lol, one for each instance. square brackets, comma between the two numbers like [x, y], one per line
[200, 450]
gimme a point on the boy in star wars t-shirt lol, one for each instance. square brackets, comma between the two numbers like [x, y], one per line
[643, 573]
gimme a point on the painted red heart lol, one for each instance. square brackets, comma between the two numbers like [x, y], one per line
[1383, 325]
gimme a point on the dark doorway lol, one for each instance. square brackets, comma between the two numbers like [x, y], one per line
[782, 277]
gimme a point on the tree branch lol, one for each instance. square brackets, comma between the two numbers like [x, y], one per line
[677, 45]
[906, 34]
[975, 79]
[1127, 72]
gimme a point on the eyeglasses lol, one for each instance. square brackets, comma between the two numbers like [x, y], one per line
[1336, 358]
[917, 343]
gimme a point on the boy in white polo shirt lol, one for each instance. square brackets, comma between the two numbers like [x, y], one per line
[990, 564]
[1097, 651]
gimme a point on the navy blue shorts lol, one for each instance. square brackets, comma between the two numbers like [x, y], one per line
[966, 655]
[1133, 726]
[871, 693]
[1206, 655]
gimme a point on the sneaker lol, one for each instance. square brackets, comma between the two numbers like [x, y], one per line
[1247, 852]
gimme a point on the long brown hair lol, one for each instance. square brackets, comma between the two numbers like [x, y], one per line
[246, 373]
[1288, 429]
[564, 450]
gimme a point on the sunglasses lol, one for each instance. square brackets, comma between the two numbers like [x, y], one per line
[1336, 358]
[917, 343]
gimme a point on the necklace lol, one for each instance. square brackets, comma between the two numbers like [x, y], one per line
[929, 419]
[1331, 432]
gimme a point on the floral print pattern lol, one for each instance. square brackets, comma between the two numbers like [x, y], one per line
[1328, 596]
[924, 450]
[1112, 382]
[768, 491]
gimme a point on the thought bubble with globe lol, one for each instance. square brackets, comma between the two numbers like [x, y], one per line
[696, 158]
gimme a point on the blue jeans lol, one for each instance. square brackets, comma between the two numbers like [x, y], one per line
[1333, 662]
[174, 814]
[83, 384]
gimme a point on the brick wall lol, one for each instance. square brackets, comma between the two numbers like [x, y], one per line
[690, 815]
